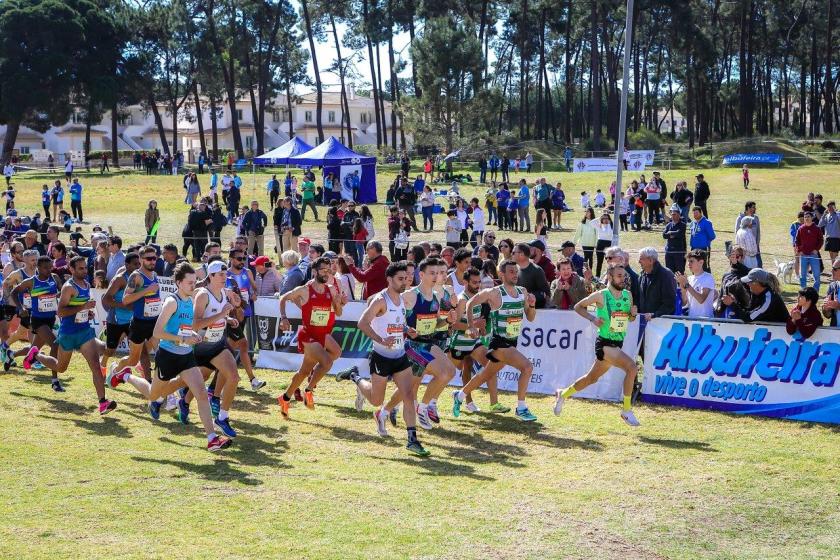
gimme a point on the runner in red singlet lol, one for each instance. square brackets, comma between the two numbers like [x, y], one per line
[319, 303]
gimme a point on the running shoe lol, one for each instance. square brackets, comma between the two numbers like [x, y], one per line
[154, 409]
[115, 378]
[423, 418]
[456, 405]
[284, 406]
[257, 384]
[183, 411]
[392, 416]
[171, 402]
[558, 403]
[380, 417]
[630, 418]
[309, 399]
[56, 386]
[182, 392]
[298, 397]
[215, 405]
[433, 414]
[346, 373]
[360, 399]
[38, 365]
[472, 408]
[417, 449]
[224, 425]
[218, 443]
[29, 360]
[9, 361]
[525, 415]
[106, 406]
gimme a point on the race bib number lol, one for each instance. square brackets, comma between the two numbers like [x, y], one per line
[426, 324]
[83, 317]
[46, 304]
[320, 316]
[443, 321]
[215, 332]
[151, 307]
[397, 331]
[27, 301]
[514, 327]
[185, 331]
[618, 322]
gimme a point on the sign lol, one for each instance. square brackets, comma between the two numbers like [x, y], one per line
[740, 159]
[583, 165]
[347, 178]
[744, 369]
[642, 155]
[560, 345]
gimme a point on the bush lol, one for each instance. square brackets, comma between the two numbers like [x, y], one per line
[827, 145]
[643, 139]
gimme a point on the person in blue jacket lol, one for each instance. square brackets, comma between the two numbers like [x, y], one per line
[702, 234]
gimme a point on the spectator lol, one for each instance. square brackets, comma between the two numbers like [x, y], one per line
[745, 238]
[290, 225]
[568, 288]
[698, 289]
[804, 317]
[254, 222]
[657, 286]
[682, 198]
[731, 284]
[199, 221]
[76, 200]
[809, 240]
[568, 250]
[702, 233]
[701, 195]
[373, 275]
[348, 233]
[294, 273]
[675, 246]
[502, 199]
[308, 197]
[558, 203]
[151, 220]
[605, 235]
[587, 235]
[749, 212]
[477, 221]
[832, 297]
[830, 224]
[116, 260]
[765, 305]
[539, 258]
[406, 198]
[488, 245]
[266, 280]
[170, 259]
[427, 206]
[617, 256]
[344, 279]
[531, 277]
[542, 199]
[453, 229]
[522, 206]
[794, 227]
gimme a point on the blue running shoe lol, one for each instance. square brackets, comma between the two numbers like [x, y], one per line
[154, 410]
[224, 425]
[215, 405]
[183, 411]
[525, 415]
[182, 392]
[456, 405]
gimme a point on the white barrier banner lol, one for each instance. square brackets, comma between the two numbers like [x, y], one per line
[644, 155]
[584, 165]
[560, 344]
[744, 369]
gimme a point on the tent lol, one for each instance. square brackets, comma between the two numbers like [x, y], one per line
[334, 157]
[281, 155]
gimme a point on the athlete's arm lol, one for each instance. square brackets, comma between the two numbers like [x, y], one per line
[530, 305]
[8, 282]
[595, 298]
[115, 286]
[299, 296]
[461, 324]
[133, 291]
[200, 302]
[170, 306]
[252, 289]
[20, 288]
[486, 295]
[64, 307]
[375, 309]
[337, 302]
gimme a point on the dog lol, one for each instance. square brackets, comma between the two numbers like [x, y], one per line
[785, 270]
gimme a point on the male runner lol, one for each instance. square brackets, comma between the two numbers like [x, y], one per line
[7, 310]
[175, 359]
[75, 333]
[241, 281]
[319, 304]
[509, 303]
[384, 322]
[614, 309]
[13, 274]
[119, 313]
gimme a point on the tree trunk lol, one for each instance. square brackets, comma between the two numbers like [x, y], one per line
[595, 79]
[12, 128]
[115, 148]
[214, 129]
[418, 93]
[88, 118]
[164, 144]
[289, 108]
[541, 124]
[394, 89]
[743, 70]
[381, 98]
[319, 94]
[523, 74]
[829, 89]
[345, 107]
[802, 98]
[199, 120]
[569, 76]
[372, 75]
[174, 132]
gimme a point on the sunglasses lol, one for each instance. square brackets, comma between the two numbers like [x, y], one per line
[237, 258]
[150, 259]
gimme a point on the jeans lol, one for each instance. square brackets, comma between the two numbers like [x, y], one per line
[600, 248]
[675, 261]
[308, 202]
[492, 216]
[76, 208]
[482, 176]
[409, 212]
[360, 252]
[428, 217]
[684, 213]
[812, 261]
[524, 218]
[475, 238]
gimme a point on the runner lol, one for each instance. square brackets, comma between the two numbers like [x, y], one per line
[21, 267]
[175, 359]
[508, 304]
[319, 304]
[7, 310]
[75, 333]
[120, 314]
[241, 281]
[384, 322]
[614, 309]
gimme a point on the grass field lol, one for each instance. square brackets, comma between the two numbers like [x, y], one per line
[687, 484]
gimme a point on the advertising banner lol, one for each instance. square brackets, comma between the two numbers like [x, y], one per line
[643, 155]
[560, 344]
[744, 369]
[740, 159]
[584, 165]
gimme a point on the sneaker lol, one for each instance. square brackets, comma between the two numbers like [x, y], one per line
[284, 406]
[218, 443]
[558, 404]
[171, 402]
[182, 392]
[433, 414]
[456, 405]
[154, 409]
[346, 374]
[298, 397]
[183, 411]
[106, 406]
[417, 449]
[38, 365]
[309, 400]
[630, 418]
[224, 425]
[215, 405]
[525, 415]
[379, 417]
[392, 416]
[9, 361]
[257, 384]
[423, 419]
[360, 400]
[56, 386]
[115, 378]
[29, 360]
[472, 408]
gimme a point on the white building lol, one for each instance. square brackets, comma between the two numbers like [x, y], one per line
[668, 122]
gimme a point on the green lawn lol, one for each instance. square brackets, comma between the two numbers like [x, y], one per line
[687, 484]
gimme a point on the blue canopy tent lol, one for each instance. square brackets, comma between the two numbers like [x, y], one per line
[334, 157]
[281, 155]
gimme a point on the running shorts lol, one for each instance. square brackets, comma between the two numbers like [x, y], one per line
[461, 354]
[236, 333]
[497, 342]
[141, 330]
[38, 322]
[74, 341]
[9, 312]
[601, 343]
[420, 355]
[206, 352]
[304, 336]
[170, 365]
[386, 367]
[113, 334]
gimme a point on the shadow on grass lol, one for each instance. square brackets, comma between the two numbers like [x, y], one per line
[436, 466]
[536, 432]
[678, 444]
[221, 470]
[354, 436]
[105, 426]
[58, 405]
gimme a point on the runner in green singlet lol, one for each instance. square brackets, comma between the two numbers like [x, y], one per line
[614, 310]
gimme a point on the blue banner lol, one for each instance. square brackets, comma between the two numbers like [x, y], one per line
[740, 159]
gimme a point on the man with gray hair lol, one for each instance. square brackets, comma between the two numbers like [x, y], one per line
[617, 256]
[657, 286]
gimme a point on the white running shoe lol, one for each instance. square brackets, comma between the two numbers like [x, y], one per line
[423, 418]
[360, 400]
[630, 418]
[558, 404]
[257, 384]
[380, 417]
[171, 402]
[472, 408]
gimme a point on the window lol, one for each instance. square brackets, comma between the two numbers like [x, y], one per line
[249, 142]
[331, 116]
[77, 118]
[275, 116]
[124, 120]
[24, 150]
[308, 116]
[239, 114]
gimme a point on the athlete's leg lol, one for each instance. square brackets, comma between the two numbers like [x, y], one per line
[132, 358]
[515, 359]
[194, 380]
[466, 372]
[21, 333]
[226, 365]
[56, 364]
[621, 360]
[406, 387]
[442, 372]
[90, 350]
[331, 353]
[310, 360]
[488, 371]
[244, 357]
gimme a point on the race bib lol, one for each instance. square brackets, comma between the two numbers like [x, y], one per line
[397, 331]
[185, 330]
[27, 301]
[83, 317]
[46, 304]
[215, 332]
[245, 294]
[514, 327]
[151, 307]
[618, 322]
[320, 316]
[426, 324]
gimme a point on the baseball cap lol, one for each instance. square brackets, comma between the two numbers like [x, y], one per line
[261, 261]
[567, 244]
[216, 266]
[675, 208]
[305, 240]
[330, 255]
[699, 176]
[756, 275]
[537, 244]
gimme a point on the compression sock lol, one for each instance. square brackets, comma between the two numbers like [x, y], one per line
[412, 434]
[626, 404]
[568, 392]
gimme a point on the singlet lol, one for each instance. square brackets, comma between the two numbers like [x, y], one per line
[390, 323]
[147, 308]
[214, 333]
[24, 298]
[318, 316]
[44, 295]
[423, 317]
[616, 315]
[179, 324]
[80, 320]
[459, 340]
[120, 315]
[506, 321]
[457, 287]
[443, 314]
[7, 291]
[244, 284]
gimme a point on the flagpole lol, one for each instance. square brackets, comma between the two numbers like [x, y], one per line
[622, 121]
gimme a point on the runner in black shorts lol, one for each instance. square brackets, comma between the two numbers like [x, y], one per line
[21, 267]
[120, 314]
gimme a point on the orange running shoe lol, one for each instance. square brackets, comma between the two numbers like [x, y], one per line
[284, 406]
[309, 399]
